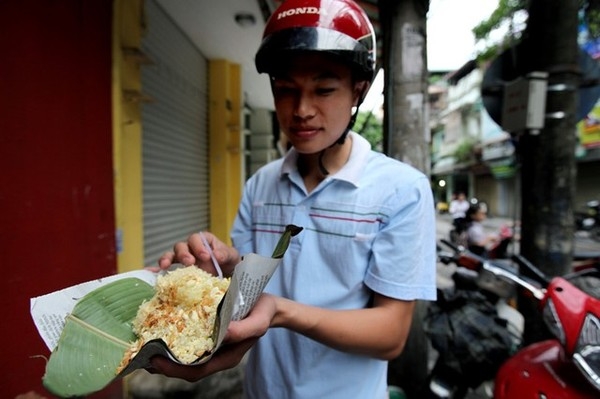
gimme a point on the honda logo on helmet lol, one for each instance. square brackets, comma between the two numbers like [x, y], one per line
[297, 11]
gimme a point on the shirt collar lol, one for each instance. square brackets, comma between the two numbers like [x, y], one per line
[350, 172]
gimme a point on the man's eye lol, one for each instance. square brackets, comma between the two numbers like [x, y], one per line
[325, 91]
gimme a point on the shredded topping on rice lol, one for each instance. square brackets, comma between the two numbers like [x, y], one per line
[182, 313]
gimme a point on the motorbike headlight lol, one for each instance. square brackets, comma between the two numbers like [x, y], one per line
[553, 322]
[587, 350]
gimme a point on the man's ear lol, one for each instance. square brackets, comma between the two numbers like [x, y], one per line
[360, 91]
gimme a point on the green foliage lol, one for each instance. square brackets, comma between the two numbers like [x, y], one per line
[591, 15]
[371, 128]
[505, 14]
[464, 151]
[502, 16]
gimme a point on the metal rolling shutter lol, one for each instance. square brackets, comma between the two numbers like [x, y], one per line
[174, 138]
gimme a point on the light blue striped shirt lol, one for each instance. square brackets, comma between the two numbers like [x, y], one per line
[370, 227]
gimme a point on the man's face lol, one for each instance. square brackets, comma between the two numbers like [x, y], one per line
[314, 100]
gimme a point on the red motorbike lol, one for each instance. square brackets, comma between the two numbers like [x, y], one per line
[567, 366]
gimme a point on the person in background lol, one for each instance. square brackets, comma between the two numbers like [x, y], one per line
[458, 209]
[340, 304]
[479, 241]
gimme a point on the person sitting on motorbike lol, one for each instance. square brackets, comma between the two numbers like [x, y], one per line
[478, 240]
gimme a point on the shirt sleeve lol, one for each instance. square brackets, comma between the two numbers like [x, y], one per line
[403, 263]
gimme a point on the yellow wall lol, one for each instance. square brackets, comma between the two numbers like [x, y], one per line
[127, 132]
[225, 135]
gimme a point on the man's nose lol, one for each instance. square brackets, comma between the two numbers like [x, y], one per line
[305, 107]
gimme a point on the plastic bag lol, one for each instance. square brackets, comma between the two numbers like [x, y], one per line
[465, 329]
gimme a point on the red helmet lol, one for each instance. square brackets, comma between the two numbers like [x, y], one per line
[338, 27]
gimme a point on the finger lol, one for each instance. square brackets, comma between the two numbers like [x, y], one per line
[201, 250]
[220, 250]
[229, 356]
[225, 358]
[233, 355]
[204, 246]
[183, 254]
[162, 365]
[166, 260]
[196, 246]
[256, 323]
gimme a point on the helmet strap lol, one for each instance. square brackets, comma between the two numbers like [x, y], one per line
[340, 140]
[352, 121]
[322, 168]
[344, 134]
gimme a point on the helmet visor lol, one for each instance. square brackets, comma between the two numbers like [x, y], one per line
[274, 48]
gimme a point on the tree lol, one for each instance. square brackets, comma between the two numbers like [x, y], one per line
[505, 15]
[371, 128]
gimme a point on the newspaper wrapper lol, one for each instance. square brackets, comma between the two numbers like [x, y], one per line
[248, 281]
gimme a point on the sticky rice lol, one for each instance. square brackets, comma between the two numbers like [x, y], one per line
[182, 313]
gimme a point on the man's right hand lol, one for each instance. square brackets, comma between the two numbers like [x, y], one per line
[193, 252]
[241, 336]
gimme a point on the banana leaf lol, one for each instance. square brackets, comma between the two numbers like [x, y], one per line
[95, 337]
[98, 331]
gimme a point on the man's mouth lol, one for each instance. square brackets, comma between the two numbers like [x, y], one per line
[304, 130]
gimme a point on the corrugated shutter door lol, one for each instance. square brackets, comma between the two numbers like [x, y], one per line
[175, 138]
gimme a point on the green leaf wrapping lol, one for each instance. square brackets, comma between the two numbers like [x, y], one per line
[99, 330]
[95, 337]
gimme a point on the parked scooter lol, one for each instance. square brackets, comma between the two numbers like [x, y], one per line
[589, 220]
[567, 366]
[472, 326]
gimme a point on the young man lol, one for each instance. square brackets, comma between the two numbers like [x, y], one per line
[340, 304]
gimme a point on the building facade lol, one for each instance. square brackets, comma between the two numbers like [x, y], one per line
[473, 154]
